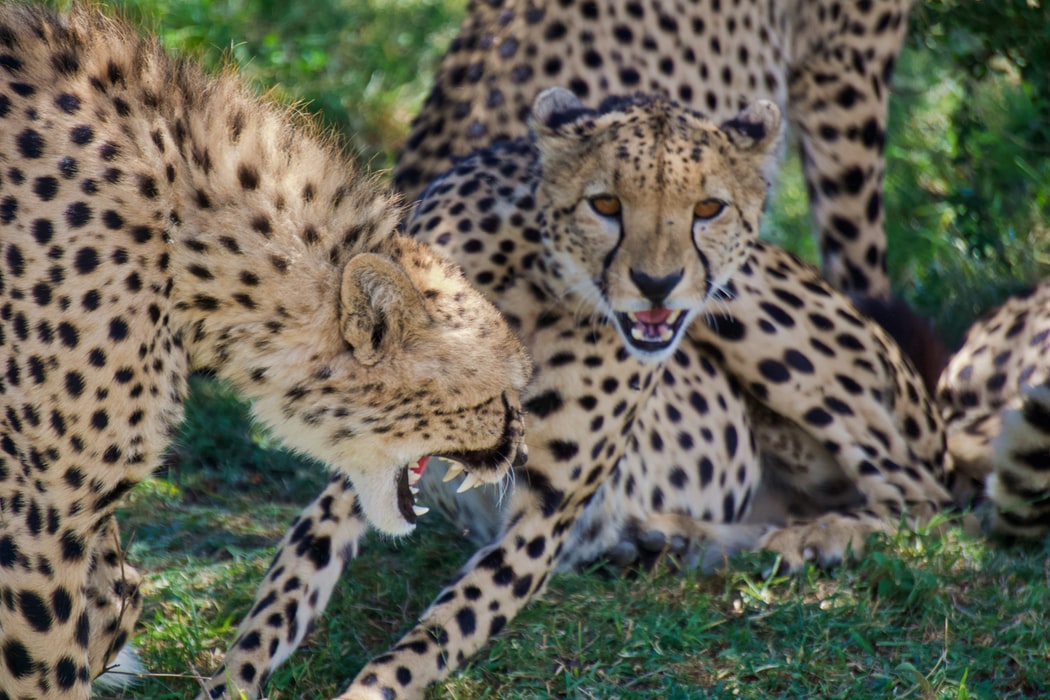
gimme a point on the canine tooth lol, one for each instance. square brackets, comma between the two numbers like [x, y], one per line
[454, 470]
[413, 489]
[673, 317]
[637, 333]
[471, 482]
[420, 510]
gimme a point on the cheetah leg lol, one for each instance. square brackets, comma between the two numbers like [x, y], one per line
[493, 587]
[839, 98]
[691, 455]
[549, 493]
[841, 381]
[297, 587]
[44, 638]
[114, 604]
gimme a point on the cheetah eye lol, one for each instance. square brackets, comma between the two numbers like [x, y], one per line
[708, 209]
[606, 204]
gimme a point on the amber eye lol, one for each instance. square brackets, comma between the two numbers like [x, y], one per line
[708, 209]
[606, 204]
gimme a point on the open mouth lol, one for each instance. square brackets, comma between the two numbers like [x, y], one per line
[408, 489]
[651, 330]
[481, 466]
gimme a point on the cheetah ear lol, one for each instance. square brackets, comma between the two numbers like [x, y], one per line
[378, 307]
[756, 128]
[559, 123]
[555, 107]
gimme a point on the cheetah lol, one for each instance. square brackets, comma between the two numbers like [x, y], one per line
[994, 395]
[156, 221]
[690, 382]
[828, 66]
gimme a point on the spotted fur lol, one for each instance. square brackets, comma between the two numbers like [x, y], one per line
[779, 416]
[826, 64]
[995, 395]
[155, 221]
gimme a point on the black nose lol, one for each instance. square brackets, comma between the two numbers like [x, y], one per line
[655, 289]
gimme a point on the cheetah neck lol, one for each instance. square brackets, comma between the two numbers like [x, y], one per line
[263, 210]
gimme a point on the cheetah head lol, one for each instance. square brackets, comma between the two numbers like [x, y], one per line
[410, 361]
[650, 208]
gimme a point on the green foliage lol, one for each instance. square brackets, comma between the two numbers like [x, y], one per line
[364, 65]
[968, 161]
[968, 179]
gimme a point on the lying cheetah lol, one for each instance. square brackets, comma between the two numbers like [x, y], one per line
[827, 64]
[155, 221]
[995, 397]
[689, 380]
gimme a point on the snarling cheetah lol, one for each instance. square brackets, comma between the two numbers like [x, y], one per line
[995, 397]
[826, 64]
[690, 382]
[155, 221]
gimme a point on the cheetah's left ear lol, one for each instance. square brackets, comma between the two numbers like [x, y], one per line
[756, 128]
[378, 307]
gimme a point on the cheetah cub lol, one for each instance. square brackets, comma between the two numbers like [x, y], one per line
[155, 221]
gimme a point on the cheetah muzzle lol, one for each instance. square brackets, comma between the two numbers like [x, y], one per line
[481, 466]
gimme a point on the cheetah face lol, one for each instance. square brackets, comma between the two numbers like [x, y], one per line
[416, 364]
[650, 207]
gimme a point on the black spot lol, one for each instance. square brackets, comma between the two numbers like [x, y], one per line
[45, 188]
[544, 404]
[30, 144]
[248, 177]
[563, 450]
[118, 329]
[798, 361]
[774, 371]
[35, 611]
[818, 416]
[81, 135]
[467, 621]
[17, 658]
[78, 214]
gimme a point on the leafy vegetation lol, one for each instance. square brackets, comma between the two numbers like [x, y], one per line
[923, 616]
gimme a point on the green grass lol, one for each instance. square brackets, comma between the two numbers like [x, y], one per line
[923, 616]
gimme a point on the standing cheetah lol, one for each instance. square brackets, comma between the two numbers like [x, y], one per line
[155, 221]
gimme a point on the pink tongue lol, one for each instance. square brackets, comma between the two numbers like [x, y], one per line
[653, 316]
[420, 465]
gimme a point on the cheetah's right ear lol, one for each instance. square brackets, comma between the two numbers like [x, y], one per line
[378, 307]
[756, 128]
[555, 107]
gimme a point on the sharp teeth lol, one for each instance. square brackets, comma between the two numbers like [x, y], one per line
[413, 489]
[637, 333]
[471, 482]
[454, 470]
[420, 510]
[673, 318]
